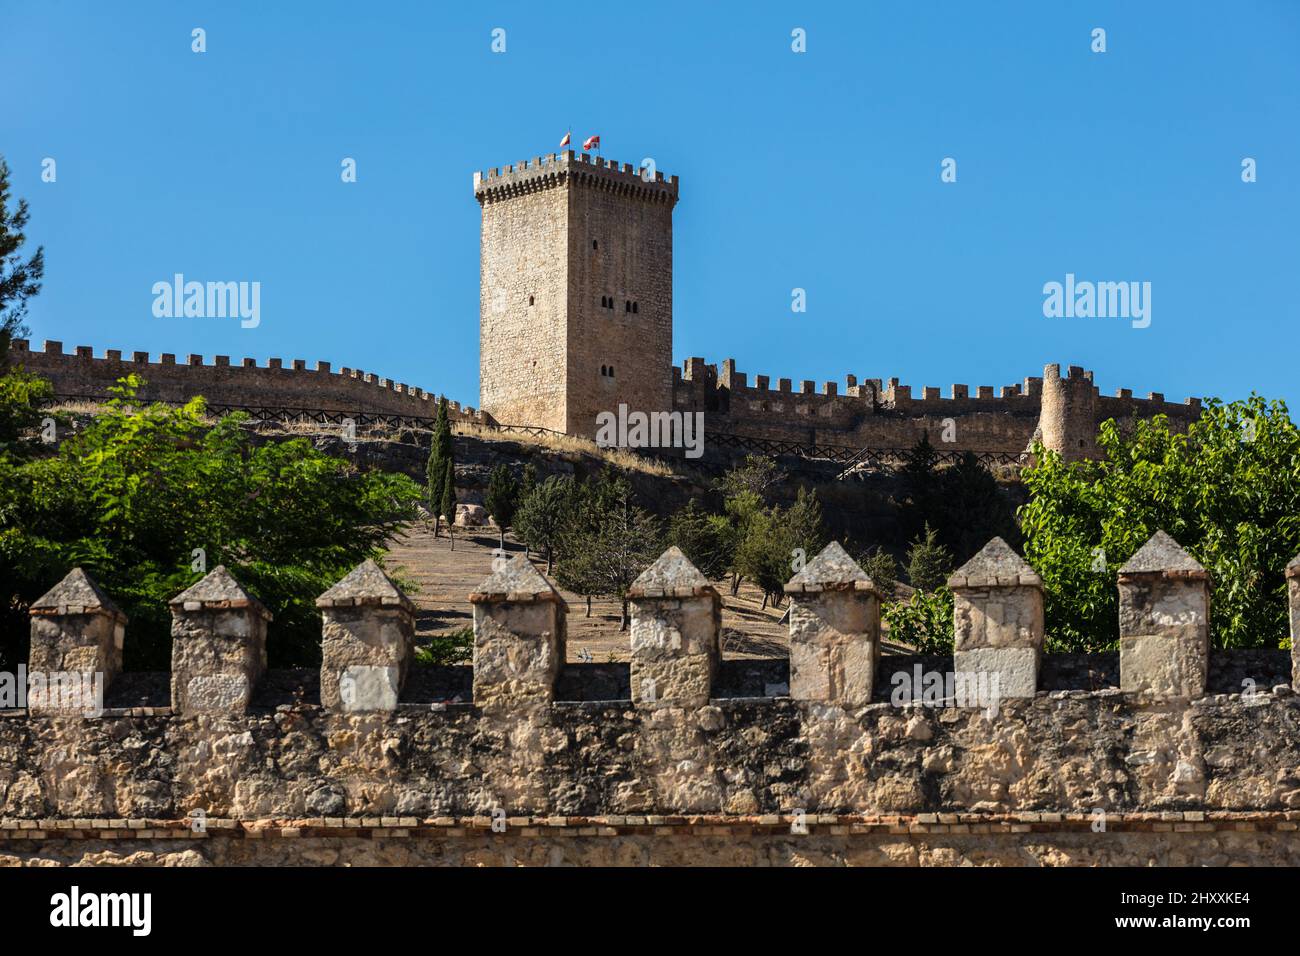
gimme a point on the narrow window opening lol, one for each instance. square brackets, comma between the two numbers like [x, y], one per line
[634, 309]
[627, 306]
[594, 244]
[611, 371]
[530, 300]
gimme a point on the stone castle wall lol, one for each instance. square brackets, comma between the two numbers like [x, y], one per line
[523, 306]
[1064, 411]
[677, 758]
[864, 413]
[83, 375]
[575, 290]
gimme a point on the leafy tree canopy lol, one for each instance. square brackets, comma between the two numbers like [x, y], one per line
[149, 498]
[1228, 490]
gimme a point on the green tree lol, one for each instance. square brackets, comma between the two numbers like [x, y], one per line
[19, 279]
[756, 475]
[543, 515]
[441, 458]
[149, 498]
[21, 396]
[448, 499]
[803, 527]
[741, 509]
[502, 499]
[882, 568]
[745, 490]
[968, 509]
[920, 483]
[774, 542]
[1228, 490]
[924, 621]
[706, 539]
[526, 486]
[929, 563]
[610, 544]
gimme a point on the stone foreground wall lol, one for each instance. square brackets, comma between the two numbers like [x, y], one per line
[1214, 782]
[1063, 752]
[898, 842]
[680, 753]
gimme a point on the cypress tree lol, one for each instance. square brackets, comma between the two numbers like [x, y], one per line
[440, 461]
[449, 502]
[502, 499]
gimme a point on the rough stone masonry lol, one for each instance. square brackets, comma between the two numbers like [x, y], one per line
[576, 319]
[532, 770]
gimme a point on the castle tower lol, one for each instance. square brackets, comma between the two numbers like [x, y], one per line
[1068, 418]
[575, 291]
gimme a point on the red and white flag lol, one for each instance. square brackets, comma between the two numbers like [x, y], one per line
[567, 136]
[591, 142]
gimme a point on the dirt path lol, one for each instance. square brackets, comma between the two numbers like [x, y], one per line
[446, 578]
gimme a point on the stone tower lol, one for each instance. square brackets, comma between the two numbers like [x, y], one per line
[1068, 419]
[575, 291]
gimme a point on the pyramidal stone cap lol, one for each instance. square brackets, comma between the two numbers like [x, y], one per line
[672, 575]
[1162, 555]
[995, 565]
[519, 582]
[1293, 567]
[77, 593]
[217, 591]
[831, 570]
[365, 585]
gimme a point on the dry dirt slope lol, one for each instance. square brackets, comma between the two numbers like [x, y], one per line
[446, 577]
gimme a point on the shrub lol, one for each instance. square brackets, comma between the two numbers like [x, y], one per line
[1228, 490]
[149, 498]
[924, 621]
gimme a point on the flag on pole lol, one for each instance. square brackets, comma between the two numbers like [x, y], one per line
[567, 136]
[591, 142]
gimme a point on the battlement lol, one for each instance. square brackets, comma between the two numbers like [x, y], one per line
[886, 413]
[552, 170]
[81, 374]
[891, 393]
[838, 729]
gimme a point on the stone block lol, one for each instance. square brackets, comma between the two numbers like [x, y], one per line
[519, 638]
[834, 630]
[1164, 621]
[77, 637]
[1004, 671]
[367, 641]
[998, 620]
[218, 646]
[471, 516]
[676, 618]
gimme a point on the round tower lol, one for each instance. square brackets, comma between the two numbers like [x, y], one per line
[1068, 415]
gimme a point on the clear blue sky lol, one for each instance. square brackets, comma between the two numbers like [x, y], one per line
[817, 170]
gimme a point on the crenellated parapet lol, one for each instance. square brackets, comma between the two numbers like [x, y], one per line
[1064, 412]
[583, 169]
[995, 729]
[82, 375]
